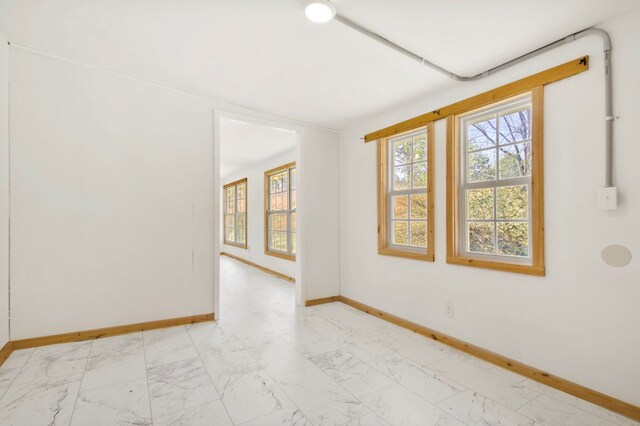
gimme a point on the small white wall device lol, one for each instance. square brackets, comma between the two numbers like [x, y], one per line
[608, 198]
[616, 255]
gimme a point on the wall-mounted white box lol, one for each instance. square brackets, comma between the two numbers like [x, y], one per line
[608, 198]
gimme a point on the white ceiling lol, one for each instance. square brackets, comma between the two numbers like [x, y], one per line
[243, 144]
[265, 55]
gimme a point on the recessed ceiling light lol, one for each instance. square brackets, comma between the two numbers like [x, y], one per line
[320, 11]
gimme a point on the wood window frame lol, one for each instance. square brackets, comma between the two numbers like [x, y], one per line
[246, 209]
[533, 83]
[384, 215]
[454, 255]
[267, 174]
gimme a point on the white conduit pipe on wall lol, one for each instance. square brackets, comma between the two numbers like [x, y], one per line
[609, 117]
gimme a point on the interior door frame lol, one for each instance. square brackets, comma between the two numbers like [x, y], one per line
[218, 115]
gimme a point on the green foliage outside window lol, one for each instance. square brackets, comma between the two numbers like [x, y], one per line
[499, 148]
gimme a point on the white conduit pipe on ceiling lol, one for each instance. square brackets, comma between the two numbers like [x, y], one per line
[609, 117]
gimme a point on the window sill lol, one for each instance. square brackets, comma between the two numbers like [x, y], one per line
[498, 266]
[387, 251]
[291, 257]
[230, 243]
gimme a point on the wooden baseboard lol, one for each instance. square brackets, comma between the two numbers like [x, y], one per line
[579, 391]
[322, 300]
[548, 379]
[108, 331]
[5, 352]
[262, 268]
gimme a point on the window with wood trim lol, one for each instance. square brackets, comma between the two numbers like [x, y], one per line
[235, 213]
[405, 195]
[280, 211]
[495, 204]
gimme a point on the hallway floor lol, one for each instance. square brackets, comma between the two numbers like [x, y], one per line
[267, 362]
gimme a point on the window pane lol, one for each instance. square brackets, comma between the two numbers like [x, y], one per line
[402, 177]
[481, 134]
[400, 207]
[515, 126]
[240, 234]
[480, 203]
[272, 202]
[293, 221]
[515, 160]
[419, 234]
[242, 190]
[420, 175]
[229, 234]
[402, 152]
[241, 221]
[231, 194]
[418, 206]
[420, 149]
[513, 202]
[513, 238]
[293, 199]
[231, 206]
[228, 221]
[242, 206]
[482, 166]
[480, 237]
[279, 201]
[282, 241]
[293, 178]
[279, 182]
[400, 233]
[278, 222]
[293, 243]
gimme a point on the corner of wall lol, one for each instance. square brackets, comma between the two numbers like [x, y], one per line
[4, 190]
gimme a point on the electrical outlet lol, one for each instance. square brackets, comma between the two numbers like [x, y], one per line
[448, 310]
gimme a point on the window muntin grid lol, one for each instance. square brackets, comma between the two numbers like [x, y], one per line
[281, 211]
[495, 182]
[407, 191]
[235, 213]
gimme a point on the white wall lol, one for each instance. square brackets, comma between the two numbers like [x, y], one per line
[319, 213]
[581, 321]
[4, 191]
[114, 198]
[255, 215]
[111, 206]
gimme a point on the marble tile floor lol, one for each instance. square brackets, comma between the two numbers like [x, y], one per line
[267, 362]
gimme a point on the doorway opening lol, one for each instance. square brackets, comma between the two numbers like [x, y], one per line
[258, 214]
